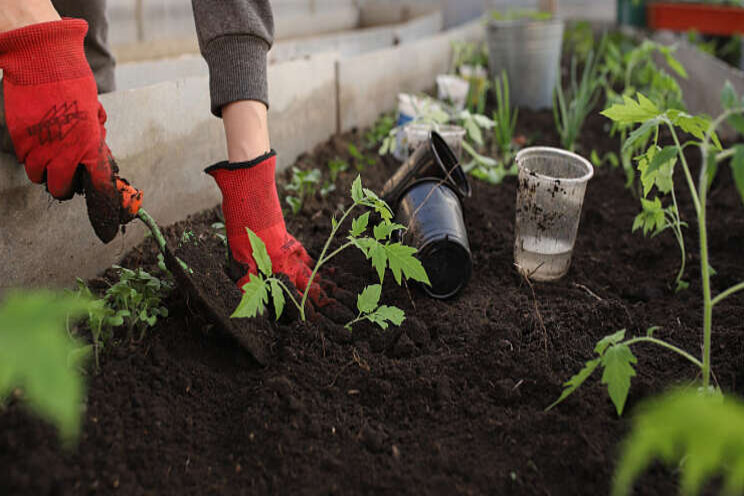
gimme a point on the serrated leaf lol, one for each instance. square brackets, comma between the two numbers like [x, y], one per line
[357, 193]
[632, 111]
[402, 262]
[698, 436]
[260, 255]
[609, 340]
[575, 381]
[392, 314]
[652, 216]
[383, 230]
[364, 244]
[254, 300]
[667, 154]
[643, 132]
[737, 169]
[277, 296]
[379, 256]
[359, 225]
[369, 298]
[618, 362]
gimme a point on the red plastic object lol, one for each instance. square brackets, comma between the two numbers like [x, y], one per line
[705, 19]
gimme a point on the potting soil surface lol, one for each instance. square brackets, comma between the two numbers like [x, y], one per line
[451, 402]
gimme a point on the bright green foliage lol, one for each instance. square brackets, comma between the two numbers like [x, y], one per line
[698, 435]
[571, 108]
[368, 304]
[303, 184]
[137, 297]
[379, 249]
[652, 218]
[188, 237]
[617, 361]
[380, 129]
[361, 161]
[470, 54]
[34, 355]
[101, 319]
[608, 157]
[631, 111]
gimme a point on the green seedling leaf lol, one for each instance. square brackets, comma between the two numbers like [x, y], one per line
[402, 261]
[651, 330]
[357, 193]
[729, 98]
[368, 299]
[737, 169]
[384, 315]
[277, 297]
[260, 255]
[632, 111]
[641, 134]
[34, 353]
[618, 362]
[383, 230]
[682, 285]
[378, 254]
[663, 157]
[696, 435]
[651, 218]
[609, 340]
[359, 225]
[675, 64]
[575, 381]
[254, 300]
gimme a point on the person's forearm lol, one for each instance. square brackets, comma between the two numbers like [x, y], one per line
[246, 130]
[16, 14]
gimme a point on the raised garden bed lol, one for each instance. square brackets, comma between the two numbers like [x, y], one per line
[452, 402]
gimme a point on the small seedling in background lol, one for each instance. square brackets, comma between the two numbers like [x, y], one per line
[303, 184]
[614, 351]
[607, 158]
[188, 237]
[379, 249]
[38, 357]
[221, 234]
[138, 297]
[361, 161]
[381, 128]
[336, 167]
[572, 107]
[101, 320]
[368, 305]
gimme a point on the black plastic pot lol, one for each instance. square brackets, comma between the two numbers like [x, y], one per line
[433, 215]
[434, 159]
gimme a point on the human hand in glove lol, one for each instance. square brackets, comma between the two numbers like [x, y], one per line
[55, 121]
[250, 199]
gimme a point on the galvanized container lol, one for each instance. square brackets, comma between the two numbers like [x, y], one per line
[530, 52]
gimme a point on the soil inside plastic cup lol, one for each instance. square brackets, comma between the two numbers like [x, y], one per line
[550, 194]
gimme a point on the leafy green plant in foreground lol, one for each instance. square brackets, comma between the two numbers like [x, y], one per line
[615, 355]
[368, 305]
[698, 435]
[379, 248]
[35, 356]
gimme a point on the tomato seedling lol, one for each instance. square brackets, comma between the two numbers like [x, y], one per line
[380, 249]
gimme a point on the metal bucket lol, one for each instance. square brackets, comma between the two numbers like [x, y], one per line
[530, 52]
[432, 213]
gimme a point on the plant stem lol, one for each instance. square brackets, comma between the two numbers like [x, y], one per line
[154, 229]
[322, 260]
[288, 293]
[679, 351]
[685, 167]
[680, 238]
[727, 293]
[338, 250]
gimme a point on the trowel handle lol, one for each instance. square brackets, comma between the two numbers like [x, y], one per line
[131, 197]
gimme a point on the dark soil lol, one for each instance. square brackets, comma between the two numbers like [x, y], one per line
[450, 403]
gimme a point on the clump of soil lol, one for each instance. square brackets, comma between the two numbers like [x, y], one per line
[452, 402]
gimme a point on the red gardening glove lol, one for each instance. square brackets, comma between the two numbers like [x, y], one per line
[250, 199]
[55, 120]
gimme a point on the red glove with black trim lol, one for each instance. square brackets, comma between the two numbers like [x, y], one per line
[55, 120]
[250, 199]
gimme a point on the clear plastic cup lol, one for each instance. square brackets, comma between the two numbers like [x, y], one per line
[419, 133]
[453, 89]
[550, 194]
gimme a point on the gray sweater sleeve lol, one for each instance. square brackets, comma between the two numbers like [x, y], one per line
[234, 37]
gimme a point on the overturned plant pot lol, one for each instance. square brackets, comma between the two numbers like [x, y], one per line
[529, 50]
[432, 214]
[433, 159]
